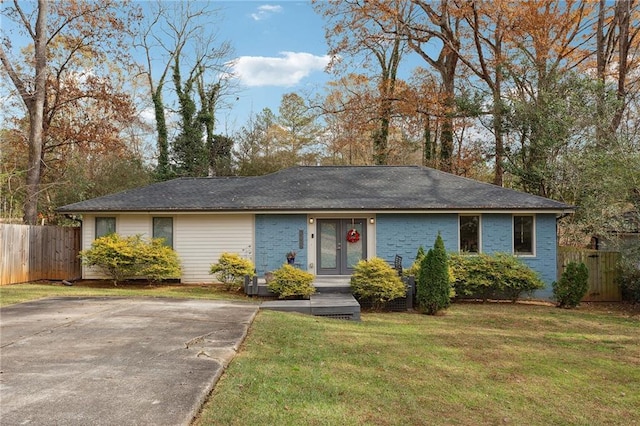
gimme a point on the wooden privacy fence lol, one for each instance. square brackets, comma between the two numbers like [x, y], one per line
[602, 266]
[29, 253]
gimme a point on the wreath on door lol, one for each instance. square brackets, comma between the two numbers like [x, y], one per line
[353, 236]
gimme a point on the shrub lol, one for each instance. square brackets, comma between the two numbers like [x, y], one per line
[231, 270]
[414, 270]
[289, 281]
[434, 288]
[159, 261]
[572, 286]
[127, 257]
[377, 281]
[629, 274]
[492, 276]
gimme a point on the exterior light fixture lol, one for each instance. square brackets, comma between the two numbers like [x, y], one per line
[372, 221]
[311, 220]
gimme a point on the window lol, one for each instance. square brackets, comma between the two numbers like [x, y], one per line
[470, 234]
[105, 226]
[163, 228]
[523, 235]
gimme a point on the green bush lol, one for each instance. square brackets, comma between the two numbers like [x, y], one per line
[377, 281]
[495, 276]
[132, 257]
[572, 286]
[433, 284]
[159, 261]
[629, 274]
[231, 270]
[414, 270]
[289, 281]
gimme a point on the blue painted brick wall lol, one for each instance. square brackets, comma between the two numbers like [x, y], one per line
[275, 236]
[403, 233]
[497, 231]
[497, 236]
[546, 247]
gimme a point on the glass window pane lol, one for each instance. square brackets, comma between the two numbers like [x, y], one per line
[354, 250]
[469, 234]
[523, 234]
[105, 226]
[163, 228]
[328, 242]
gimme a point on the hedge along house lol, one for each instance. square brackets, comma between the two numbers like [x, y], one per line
[330, 216]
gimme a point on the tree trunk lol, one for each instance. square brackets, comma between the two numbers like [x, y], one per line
[35, 106]
[623, 12]
[498, 112]
[447, 71]
[162, 168]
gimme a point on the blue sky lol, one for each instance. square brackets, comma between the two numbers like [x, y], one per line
[279, 48]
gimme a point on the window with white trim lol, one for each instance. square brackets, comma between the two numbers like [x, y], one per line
[163, 228]
[523, 235]
[105, 226]
[469, 232]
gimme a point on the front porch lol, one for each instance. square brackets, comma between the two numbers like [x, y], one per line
[333, 298]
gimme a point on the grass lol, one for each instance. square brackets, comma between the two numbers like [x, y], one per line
[477, 364]
[16, 293]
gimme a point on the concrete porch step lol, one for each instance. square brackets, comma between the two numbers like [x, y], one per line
[322, 283]
[332, 284]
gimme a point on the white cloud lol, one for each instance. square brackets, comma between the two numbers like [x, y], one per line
[265, 11]
[287, 70]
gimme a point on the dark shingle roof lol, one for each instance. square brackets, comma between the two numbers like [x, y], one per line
[321, 188]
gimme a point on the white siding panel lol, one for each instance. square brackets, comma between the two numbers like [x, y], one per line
[198, 239]
[201, 239]
[129, 225]
[88, 235]
[126, 225]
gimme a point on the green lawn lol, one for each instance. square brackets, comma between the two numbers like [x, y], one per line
[477, 364]
[16, 293]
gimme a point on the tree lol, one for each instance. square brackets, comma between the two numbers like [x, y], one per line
[220, 159]
[256, 150]
[364, 31]
[489, 21]
[422, 25]
[76, 32]
[188, 148]
[349, 118]
[179, 33]
[434, 286]
[297, 129]
[617, 43]
[34, 99]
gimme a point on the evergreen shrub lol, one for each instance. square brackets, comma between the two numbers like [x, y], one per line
[572, 286]
[433, 284]
[496, 276]
[629, 274]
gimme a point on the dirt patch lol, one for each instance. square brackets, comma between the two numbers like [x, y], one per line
[618, 308]
[625, 309]
[138, 284]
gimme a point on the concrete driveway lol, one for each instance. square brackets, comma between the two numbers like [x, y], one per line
[114, 361]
